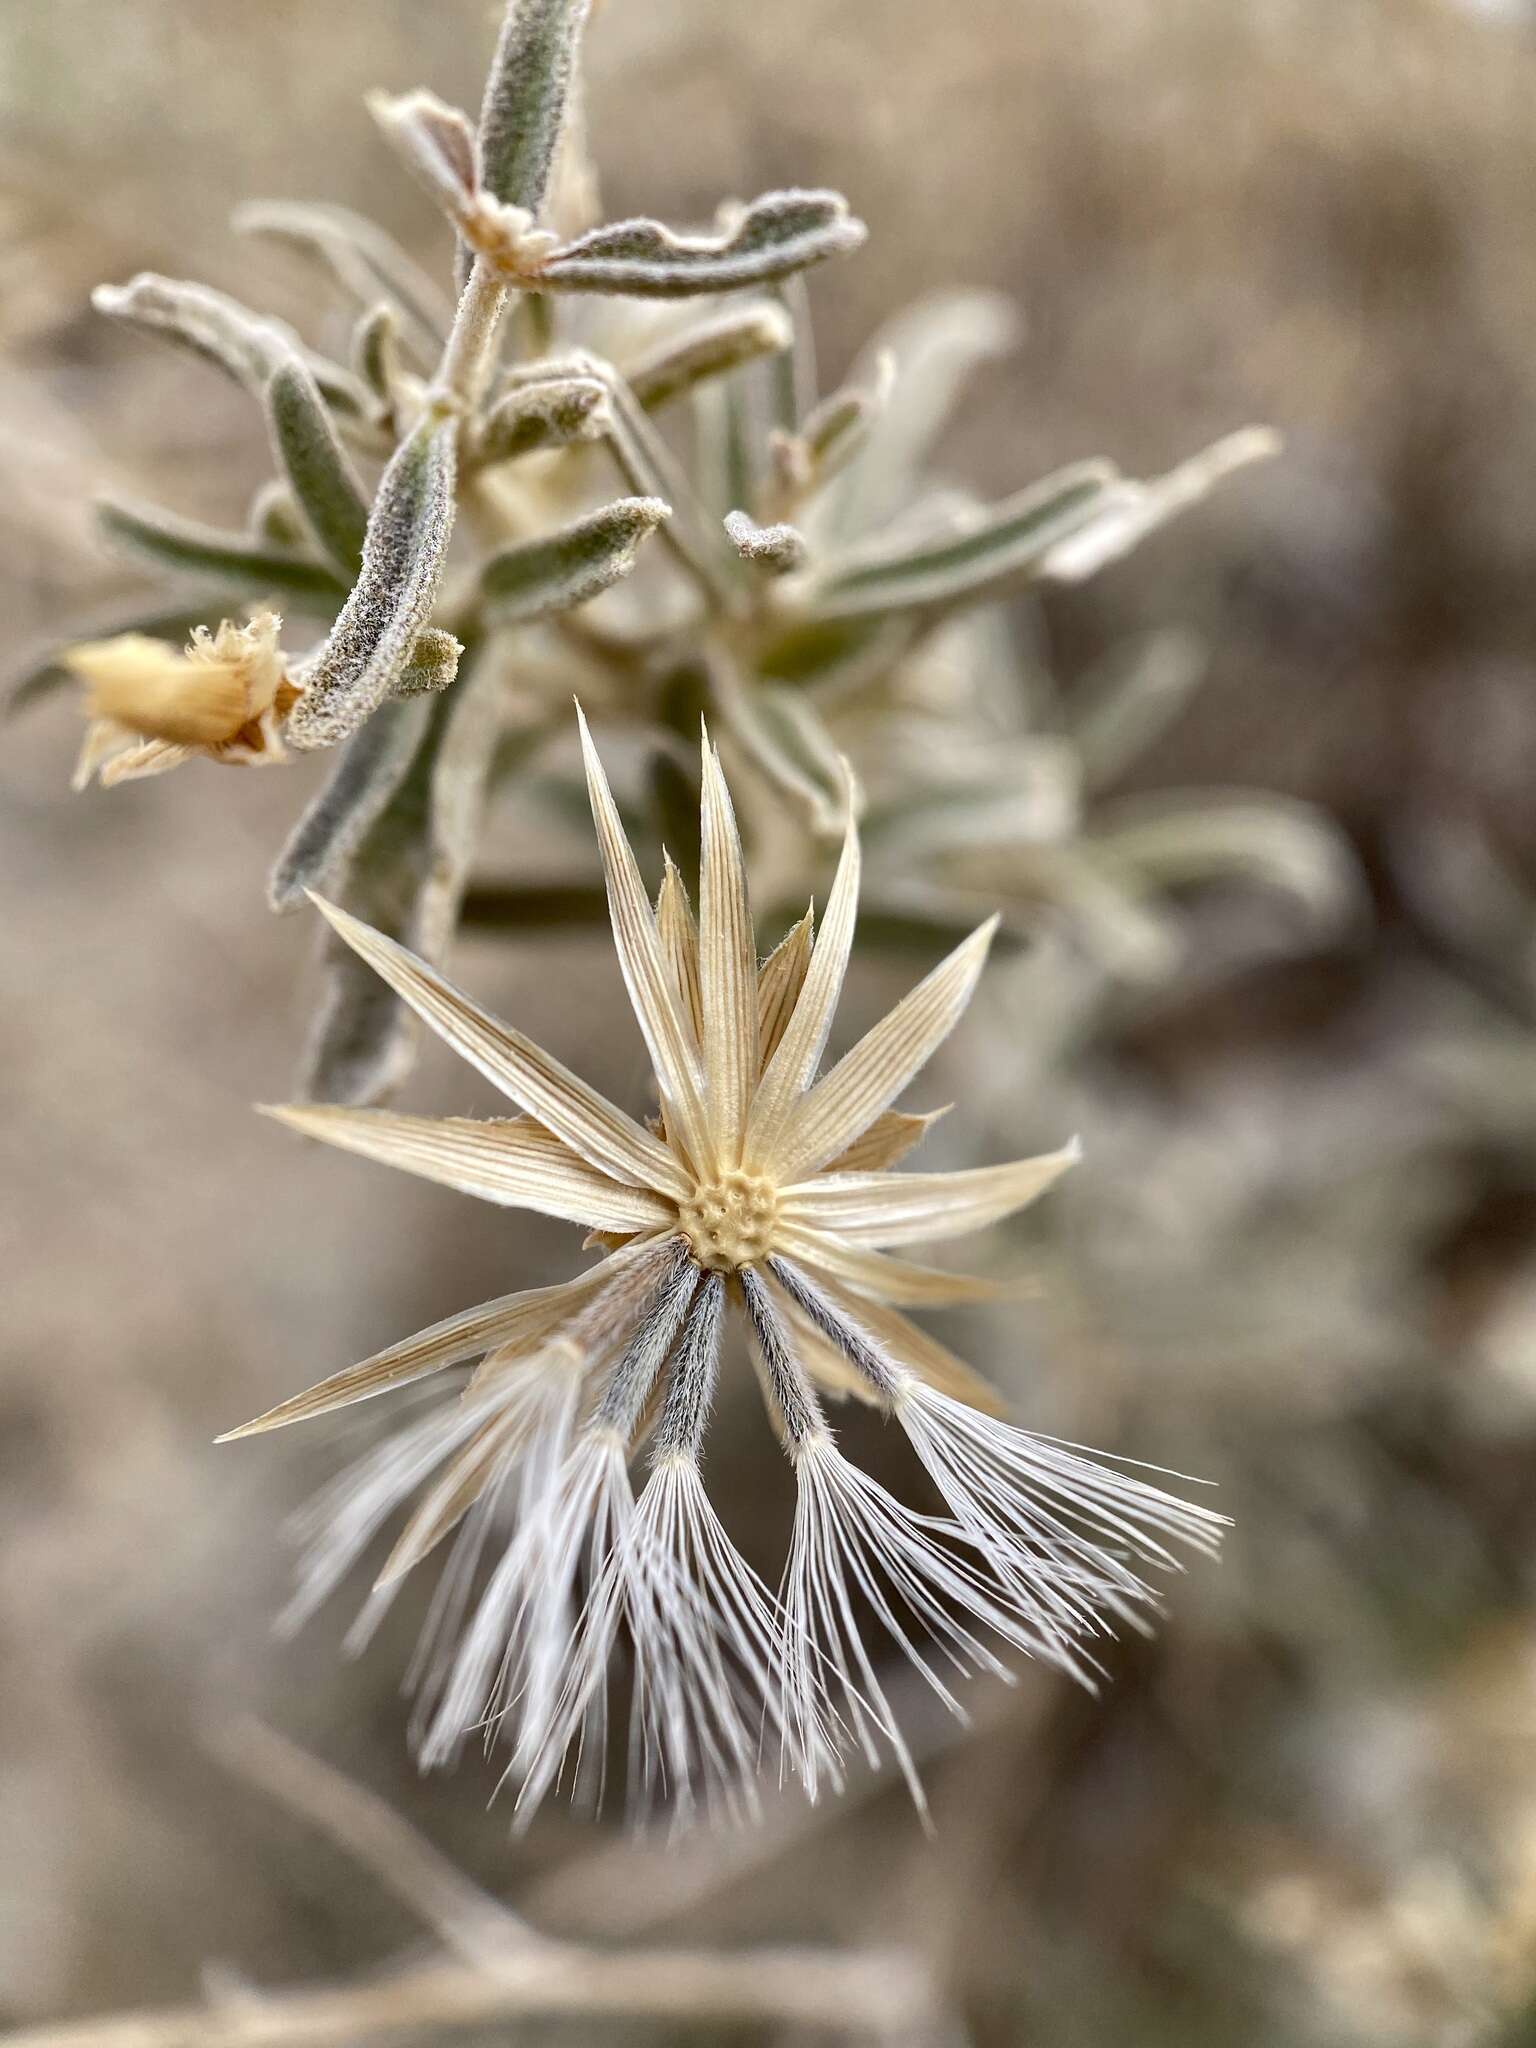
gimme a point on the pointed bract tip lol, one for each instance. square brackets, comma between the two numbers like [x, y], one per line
[289, 1113]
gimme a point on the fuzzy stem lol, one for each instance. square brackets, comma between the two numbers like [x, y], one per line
[469, 356]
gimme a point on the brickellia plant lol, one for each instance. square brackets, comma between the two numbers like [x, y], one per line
[780, 564]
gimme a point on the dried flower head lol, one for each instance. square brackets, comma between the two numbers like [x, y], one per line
[761, 1185]
[151, 705]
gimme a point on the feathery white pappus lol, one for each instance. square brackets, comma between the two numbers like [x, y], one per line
[770, 1186]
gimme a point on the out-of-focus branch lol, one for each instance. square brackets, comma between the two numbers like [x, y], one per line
[498, 1967]
[469, 1922]
[871, 1994]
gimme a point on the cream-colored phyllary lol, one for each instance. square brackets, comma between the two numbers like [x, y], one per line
[770, 1186]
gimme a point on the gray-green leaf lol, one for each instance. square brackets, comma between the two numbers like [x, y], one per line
[408, 533]
[1127, 514]
[566, 568]
[406, 877]
[433, 664]
[368, 771]
[531, 78]
[775, 549]
[230, 558]
[323, 481]
[967, 563]
[366, 262]
[778, 233]
[936, 346]
[709, 349]
[247, 346]
[547, 414]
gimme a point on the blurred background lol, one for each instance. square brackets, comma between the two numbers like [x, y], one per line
[1301, 1257]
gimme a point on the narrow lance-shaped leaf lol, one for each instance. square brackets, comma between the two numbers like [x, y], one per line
[365, 261]
[323, 482]
[781, 734]
[376, 355]
[566, 568]
[647, 466]
[275, 517]
[549, 413]
[229, 558]
[269, 360]
[1172, 838]
[368, 770]
[936, 347]
[434, 139]
[779, 233]
[792, 377]
[833, 434]
[1131, 511]
[708, 350]
[390, 604]
[245, 345]
[530, 83]
[960, 566]
[406, 878]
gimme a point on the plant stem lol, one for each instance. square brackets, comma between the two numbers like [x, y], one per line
[469, 356]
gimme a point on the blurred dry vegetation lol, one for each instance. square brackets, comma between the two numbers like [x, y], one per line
[1302, 1257]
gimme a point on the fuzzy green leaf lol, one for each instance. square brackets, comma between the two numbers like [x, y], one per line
[782, 735]
[1118, 710]
[433, 664]
[777, 234]
[964, 564]
[406, 878]
[230, 558]
[531, 80]
[323, 481]
[390, 604]
[1128, 513]
[710, 349]
[548, 413]
[368, 771]
[247, 346]
[433, 139]
[275, 517]
[1172, 839]
[776, 550]
[936, 348]
[376, 354]
[563, 569]
[369, 264]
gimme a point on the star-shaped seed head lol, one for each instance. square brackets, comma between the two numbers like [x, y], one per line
[771, 1185]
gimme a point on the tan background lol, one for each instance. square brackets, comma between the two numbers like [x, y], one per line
[1300, 1263]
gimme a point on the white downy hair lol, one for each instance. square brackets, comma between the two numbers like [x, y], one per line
[770, 1185]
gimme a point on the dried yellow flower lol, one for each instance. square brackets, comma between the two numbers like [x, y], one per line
[151, 705]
